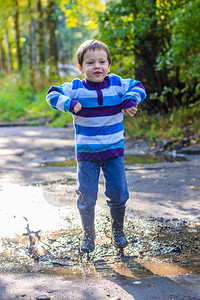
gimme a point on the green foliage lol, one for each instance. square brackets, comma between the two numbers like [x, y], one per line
[60, 119]
[181, 123]
[157, 39]
[116, 30]
[184, 45]
[69, 38]
[82, 12]
[19, 101]
[160, 40]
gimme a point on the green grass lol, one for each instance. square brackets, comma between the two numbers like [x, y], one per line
[19, 101]
[179, 124]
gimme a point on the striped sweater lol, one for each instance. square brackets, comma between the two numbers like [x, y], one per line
[99, 130]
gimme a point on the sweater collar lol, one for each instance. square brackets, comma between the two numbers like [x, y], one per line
[96, 85]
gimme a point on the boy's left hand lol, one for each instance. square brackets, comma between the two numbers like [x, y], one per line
[131, 111]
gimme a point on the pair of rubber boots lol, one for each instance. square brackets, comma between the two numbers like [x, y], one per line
[117, 222]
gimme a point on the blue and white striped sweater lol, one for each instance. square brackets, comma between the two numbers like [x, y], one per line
[99, 130]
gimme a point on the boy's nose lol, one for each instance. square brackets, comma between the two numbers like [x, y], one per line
[96, 65]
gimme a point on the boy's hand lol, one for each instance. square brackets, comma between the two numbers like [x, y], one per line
[131, 111]
[77, 107]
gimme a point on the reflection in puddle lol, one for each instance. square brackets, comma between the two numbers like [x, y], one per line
[152, 158]
[155, 247]
[129, 159]
[65, 163]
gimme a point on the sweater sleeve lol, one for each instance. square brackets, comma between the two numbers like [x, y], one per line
[133, 92]
[60, 97]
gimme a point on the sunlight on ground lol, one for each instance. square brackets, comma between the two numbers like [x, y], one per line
[161, 268]
[18, 202]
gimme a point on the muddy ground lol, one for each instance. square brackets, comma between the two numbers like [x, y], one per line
[162, 222]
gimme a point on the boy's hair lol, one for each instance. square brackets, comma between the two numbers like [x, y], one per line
[91, 45]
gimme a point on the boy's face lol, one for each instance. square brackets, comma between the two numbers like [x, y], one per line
[95, 65]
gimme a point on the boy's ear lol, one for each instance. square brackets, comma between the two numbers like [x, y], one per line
[80, 69]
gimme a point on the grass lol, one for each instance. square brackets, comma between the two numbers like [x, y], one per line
[183, 123]
[19, 101]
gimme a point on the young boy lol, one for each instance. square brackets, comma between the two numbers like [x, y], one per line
[98, 103]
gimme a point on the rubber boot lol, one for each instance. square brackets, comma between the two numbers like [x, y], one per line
[117, 222]
[87, 219]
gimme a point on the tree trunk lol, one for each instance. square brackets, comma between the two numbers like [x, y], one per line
[2, 58]
[9, 56]
[40, 36]
[31, 52]
[51, 33]
[31, 43]
[16, 19]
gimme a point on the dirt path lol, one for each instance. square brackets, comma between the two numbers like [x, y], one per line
[164, 193]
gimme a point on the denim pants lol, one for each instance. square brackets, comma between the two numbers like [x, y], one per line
[116, 189]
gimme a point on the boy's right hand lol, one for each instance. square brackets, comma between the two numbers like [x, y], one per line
[77, 107]
[131, 111]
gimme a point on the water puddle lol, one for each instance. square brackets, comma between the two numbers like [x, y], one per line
[129, 159]
[64, 163]
[153, 158]
[161, 248]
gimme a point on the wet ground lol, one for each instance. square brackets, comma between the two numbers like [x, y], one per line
[174, 246]
[38, 192]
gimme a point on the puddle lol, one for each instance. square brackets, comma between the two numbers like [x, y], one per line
[129, 159]
[64, 163]
[152, 158]
[156, 248]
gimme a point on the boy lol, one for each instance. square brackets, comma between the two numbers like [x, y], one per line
[98, 103]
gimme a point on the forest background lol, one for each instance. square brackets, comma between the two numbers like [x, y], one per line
[154, 41]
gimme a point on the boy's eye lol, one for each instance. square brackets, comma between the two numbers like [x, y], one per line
[90, 62]
[102, 61]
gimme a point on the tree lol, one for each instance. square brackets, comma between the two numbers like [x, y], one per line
[40, 36]
[82, 12]
[2, 57]
[31, 35]
[8, 50]
[143, 32]
[6, 26]
[17, 32]
[46, 22]
[184, 50]
[51, 34]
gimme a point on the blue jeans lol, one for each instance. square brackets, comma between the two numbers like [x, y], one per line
[116, 188]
